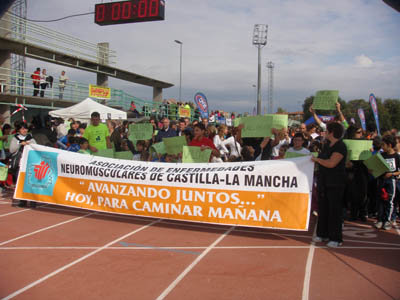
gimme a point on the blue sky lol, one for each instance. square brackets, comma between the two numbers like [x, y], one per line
[352, 46]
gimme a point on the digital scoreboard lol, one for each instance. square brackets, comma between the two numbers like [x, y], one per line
[132, 11]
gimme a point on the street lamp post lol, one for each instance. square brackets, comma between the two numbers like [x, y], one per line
[180, 69]
[259, 40]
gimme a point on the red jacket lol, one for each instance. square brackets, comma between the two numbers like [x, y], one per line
[36, 77]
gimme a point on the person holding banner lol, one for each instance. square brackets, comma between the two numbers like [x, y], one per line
[331, 185]
[17, 144]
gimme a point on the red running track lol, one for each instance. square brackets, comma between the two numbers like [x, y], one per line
[61, 253]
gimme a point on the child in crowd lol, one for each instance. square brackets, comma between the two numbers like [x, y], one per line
[84, 146]
[387, 183]
[73, 144]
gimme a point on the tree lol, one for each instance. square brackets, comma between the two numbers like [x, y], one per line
[281, 110]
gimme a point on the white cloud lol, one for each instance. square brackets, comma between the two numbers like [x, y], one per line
[363, 61]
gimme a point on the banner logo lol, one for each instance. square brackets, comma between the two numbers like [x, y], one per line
[41, 170]
[42, 173]
[201, 102]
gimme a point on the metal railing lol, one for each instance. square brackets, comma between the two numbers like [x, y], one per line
[77, 91]
[51, 39]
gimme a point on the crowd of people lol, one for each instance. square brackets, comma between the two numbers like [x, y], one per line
[343, 190]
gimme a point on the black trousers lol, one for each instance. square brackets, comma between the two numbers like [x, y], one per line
[42, 89]
[36, 87]
[330, 208]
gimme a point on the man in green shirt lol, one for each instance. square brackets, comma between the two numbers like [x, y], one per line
[97, 134]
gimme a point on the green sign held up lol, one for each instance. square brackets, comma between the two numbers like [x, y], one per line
[377, 164]
[195, 155]
[159, 148]
[358, 149]
[325, 100]
[127, 155]
[141, 131]
[174, 145]
[104, 153]
[256, 126]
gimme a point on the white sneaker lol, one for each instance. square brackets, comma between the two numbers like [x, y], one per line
[333, 244]
[378, 225]
[318, 239]
[387, 226]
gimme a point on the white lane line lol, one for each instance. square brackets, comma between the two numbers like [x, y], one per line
[190, 248]
[307, 275]
[15, 212]
[31, 285]
[43, 229]
[192, 265]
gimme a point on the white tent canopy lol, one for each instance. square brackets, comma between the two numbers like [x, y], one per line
[82, 111]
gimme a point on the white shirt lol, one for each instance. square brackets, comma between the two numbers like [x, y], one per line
[234, 150]
[301, 151]
[275, 150]
[220, 146]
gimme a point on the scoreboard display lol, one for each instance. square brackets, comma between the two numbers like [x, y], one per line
[132, 11]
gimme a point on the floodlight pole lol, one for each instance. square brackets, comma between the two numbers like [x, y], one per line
[180, 69]
[259, 40]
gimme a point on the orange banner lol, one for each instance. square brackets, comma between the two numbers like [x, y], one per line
[99, 92]
[245, 194]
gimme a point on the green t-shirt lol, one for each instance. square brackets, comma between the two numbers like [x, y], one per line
[96, 135]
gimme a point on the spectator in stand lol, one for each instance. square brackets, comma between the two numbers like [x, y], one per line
[62, 82]
[36, 82]
[331, 185]
[387, 183]
[298, 142]
[97, 134]
[133, 109]
[166, 131]
[43, 82]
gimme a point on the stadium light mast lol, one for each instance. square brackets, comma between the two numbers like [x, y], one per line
[180, 68]
[259, 40]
